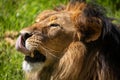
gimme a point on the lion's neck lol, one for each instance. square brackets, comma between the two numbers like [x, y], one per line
[70, 64]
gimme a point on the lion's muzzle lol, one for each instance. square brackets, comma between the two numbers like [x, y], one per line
[30, 56]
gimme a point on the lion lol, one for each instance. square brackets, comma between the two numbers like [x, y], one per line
[75, 42]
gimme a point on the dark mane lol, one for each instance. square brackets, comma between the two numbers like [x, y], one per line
[107, 46]
[111, 49]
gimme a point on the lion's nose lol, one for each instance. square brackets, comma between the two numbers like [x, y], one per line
[25, 34]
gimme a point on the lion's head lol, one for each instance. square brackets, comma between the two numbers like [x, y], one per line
[63, 44]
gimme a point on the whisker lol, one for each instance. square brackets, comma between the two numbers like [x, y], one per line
[49, 52]
[49, 48]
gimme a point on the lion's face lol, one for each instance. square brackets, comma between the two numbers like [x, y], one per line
[48, 38]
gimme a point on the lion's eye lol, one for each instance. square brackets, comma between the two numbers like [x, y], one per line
[54, 25]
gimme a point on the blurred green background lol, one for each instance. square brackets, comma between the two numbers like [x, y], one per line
[16, 14]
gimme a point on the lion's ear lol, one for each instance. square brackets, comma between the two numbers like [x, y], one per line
[92, 29]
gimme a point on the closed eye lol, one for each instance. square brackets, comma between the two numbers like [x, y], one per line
[54, 25]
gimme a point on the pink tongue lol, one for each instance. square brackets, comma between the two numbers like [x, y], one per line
[19, 46]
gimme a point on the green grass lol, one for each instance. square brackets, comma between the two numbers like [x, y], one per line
[10, 63]
[15, 15]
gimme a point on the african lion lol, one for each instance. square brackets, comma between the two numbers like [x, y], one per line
[77, 42]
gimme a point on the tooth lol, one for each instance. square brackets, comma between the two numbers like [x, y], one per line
[32, 55]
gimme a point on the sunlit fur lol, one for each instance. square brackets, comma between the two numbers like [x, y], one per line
[94, 53]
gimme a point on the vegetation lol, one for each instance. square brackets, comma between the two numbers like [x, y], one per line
[112, 7]
[16, 14]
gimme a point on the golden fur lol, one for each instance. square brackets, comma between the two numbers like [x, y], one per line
[74, 50]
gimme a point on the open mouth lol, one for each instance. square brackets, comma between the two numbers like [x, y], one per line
[37, 55]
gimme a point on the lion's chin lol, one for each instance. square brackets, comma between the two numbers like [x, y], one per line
[32, 67]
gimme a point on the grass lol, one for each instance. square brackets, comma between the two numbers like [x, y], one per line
[15, 15]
